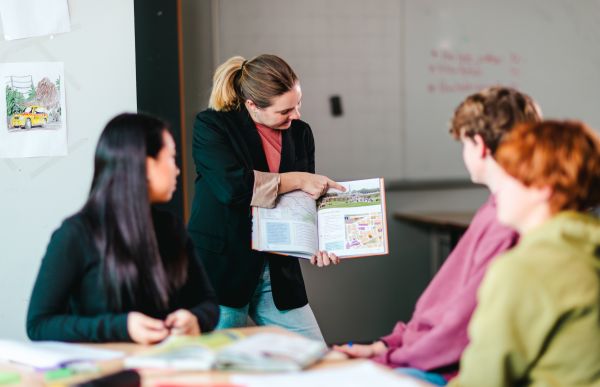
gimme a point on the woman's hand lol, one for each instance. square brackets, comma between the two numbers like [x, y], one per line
[145, 330]
[183, 322]
[323, 258]
[317, 185]
[362, 350]
[314, 185]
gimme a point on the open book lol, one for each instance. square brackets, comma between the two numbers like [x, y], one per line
[349, 224]
[189, 353]
[270, 352]
[230, 350]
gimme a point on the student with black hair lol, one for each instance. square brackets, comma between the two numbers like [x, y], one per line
[121, 269]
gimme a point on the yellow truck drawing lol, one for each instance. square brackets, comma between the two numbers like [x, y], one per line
[32, 116]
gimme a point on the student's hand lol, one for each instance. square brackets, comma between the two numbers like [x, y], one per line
[323, 258]
[145, 330]
[183, 322]
[362, 350]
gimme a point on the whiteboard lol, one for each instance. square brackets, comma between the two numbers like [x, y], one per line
[402, 66]
[37, 193]
[549, 49]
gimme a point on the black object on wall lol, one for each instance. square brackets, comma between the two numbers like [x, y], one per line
[335, 103]
[157, 73]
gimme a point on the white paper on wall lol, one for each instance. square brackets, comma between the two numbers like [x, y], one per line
[28, 18]
[33, 116]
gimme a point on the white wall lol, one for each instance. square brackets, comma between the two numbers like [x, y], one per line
[37, 193]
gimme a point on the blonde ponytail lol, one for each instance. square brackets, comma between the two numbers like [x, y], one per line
[224, 95]
[260, 80]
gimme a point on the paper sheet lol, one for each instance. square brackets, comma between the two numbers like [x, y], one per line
[356, 375]
[33, 115]
[51, 354]
[28, 18]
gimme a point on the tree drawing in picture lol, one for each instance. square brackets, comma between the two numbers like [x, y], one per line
[30, 106]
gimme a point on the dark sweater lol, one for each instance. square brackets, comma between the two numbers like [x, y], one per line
[69, 302]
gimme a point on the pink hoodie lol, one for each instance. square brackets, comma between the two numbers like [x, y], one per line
[435, 337]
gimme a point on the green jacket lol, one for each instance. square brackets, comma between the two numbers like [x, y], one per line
[538, 318]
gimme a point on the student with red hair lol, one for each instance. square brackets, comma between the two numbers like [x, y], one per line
[538, 318]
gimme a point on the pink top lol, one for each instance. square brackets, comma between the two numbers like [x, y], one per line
[271, 141]
[436, 335]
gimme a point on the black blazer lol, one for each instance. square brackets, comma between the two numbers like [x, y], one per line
[226, 149]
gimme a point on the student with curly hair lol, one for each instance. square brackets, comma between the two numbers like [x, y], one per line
[429, 346]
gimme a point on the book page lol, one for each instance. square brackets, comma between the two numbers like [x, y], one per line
[353, 223]
[290, 227]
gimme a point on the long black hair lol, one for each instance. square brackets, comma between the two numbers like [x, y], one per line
[119, 214]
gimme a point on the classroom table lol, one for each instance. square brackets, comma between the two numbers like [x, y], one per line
[152, 378]
[445, 229]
